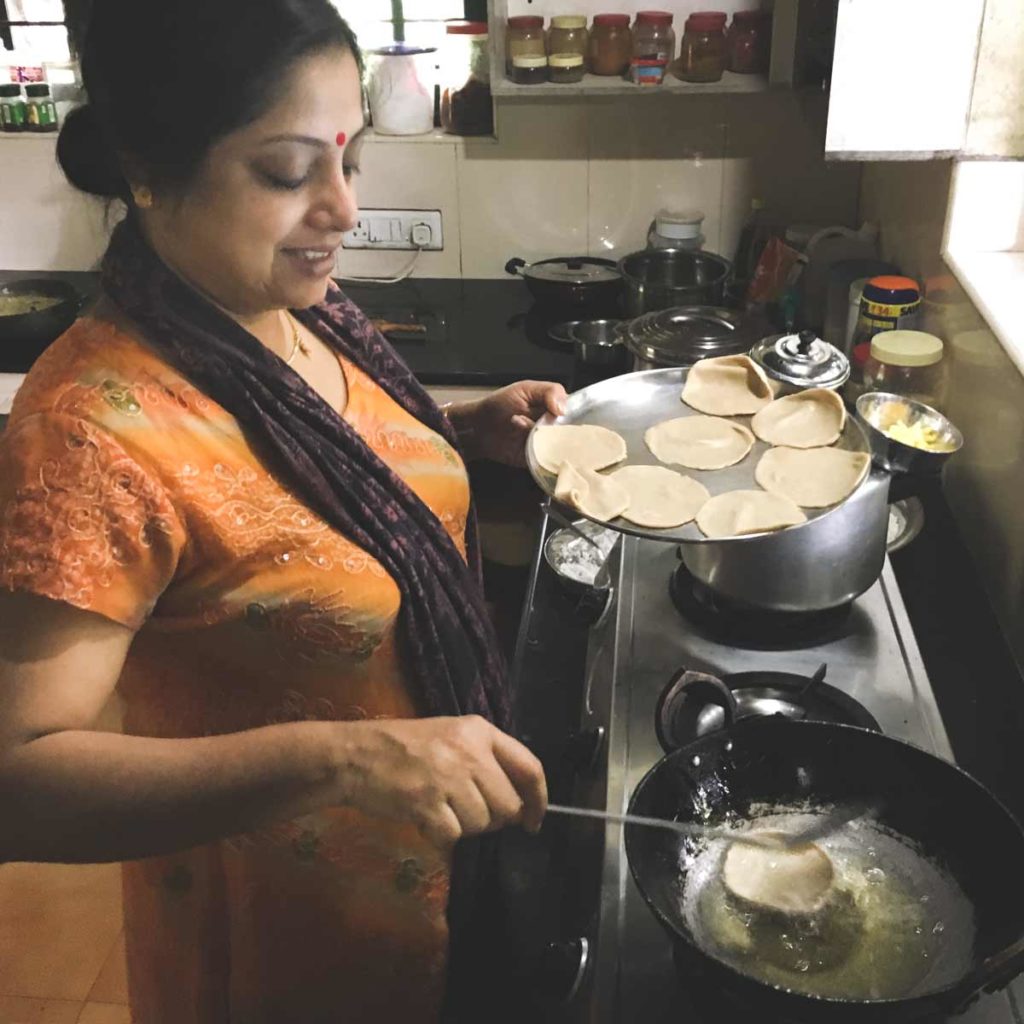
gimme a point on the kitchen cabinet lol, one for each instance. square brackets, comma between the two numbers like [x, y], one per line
[918, 80]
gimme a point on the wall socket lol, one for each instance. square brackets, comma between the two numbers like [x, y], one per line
[396, 229]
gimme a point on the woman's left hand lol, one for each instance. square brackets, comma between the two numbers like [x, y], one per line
[496, 427]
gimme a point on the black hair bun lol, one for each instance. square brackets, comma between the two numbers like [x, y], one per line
[86, 157]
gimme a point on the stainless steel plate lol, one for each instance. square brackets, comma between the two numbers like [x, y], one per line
[634, 402]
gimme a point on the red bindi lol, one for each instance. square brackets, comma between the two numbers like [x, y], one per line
[341, 138]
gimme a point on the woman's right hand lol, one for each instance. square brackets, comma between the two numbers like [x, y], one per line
[451, 777]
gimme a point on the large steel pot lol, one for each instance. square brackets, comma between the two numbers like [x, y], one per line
[826, 562]
[685, 334]
[663, 278]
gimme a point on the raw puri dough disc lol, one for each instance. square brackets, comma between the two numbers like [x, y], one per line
[659, 498]
[793, 881]
[739, 512]
[586, 447]
[814, 477]
[596, 496]
[808, 419]
[700, 442]
[727, 386]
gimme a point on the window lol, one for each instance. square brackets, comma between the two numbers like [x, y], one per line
[36, 34]
[417, 22]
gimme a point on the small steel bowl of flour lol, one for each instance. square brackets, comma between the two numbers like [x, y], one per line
[576, 562]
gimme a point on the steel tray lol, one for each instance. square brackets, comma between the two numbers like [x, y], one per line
[633, 403]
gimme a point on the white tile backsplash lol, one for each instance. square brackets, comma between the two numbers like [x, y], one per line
[566, 176]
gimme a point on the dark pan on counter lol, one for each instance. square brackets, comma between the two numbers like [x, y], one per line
[33, 313]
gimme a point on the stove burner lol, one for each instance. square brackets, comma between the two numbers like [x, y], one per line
[755, 628]
[694, 704]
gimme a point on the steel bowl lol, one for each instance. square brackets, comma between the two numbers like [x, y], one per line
[556, 553]
[878, 411]
[597, 342]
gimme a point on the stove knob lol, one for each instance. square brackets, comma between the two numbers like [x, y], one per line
[583, 749]
[563, 967]
[593, 604]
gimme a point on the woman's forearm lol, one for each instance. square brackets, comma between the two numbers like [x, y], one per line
[80, 797]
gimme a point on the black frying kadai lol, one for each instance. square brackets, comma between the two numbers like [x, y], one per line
[944, 823]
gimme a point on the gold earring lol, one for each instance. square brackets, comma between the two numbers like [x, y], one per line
[143, 197]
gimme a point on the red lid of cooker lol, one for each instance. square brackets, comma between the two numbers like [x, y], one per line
[654, 17]
[525, 21]
[466, 28]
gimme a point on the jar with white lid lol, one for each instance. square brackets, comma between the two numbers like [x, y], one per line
[568, 35]
[676, 229]
[907, 363]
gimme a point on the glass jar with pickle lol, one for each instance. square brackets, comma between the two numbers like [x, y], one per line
[702, 51]
[611, 44]
[524, 37]
[466, 104]
[568, 35]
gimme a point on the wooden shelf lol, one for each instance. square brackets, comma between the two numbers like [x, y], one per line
[598, 85]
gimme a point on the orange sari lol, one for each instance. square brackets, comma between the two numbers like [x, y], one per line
[125, 491]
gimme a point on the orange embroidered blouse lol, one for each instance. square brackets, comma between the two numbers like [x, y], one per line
[126, 492]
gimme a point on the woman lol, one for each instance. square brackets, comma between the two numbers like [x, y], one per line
[222, 493]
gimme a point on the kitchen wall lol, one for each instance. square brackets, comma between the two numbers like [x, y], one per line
[985, 390]
[563, 177]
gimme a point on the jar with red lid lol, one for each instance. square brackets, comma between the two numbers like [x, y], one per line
[466, 105]
[747, 43]
[702, 52]
[611, 44]
[524, 37]
[654, 46]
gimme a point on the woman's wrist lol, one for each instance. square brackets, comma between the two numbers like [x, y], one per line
[463, 419]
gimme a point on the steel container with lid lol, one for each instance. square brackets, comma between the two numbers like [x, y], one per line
[800, 361]
[686, 334]
[665, 278]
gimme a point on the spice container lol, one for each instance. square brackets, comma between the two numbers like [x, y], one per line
[13, 113]
[702, 51]
[906, 363]
[466, 107]
[746, 43]
[565, 68]
[524, 37]
[568, 35]
[529, 70]
[654, 46]
[41, 114]
[888, 303]
[611, 44]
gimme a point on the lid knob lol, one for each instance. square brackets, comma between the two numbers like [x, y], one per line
[805, 339]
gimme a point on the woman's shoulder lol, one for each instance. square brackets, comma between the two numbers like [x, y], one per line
[102, 370]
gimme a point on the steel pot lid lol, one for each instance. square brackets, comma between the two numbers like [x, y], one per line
[803, 360]
[573, 270]
[686, 334]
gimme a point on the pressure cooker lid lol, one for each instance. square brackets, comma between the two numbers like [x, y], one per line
[803, 360]
[573, 270]
[685, 334]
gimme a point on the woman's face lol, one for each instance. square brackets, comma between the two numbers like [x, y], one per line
[258, 226]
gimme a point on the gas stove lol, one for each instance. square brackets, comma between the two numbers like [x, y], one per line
[591, 680]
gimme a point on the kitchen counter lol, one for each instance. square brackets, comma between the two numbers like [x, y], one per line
[476, 327]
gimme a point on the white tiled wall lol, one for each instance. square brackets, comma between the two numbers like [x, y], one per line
[564, 177]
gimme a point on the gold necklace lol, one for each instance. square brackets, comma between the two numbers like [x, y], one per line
[298, 345]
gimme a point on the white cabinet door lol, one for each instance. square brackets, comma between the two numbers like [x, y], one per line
[902, 78]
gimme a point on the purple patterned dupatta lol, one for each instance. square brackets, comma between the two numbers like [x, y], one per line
[447, 640]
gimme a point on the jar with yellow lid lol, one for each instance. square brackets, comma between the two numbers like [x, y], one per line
[568, 35]
[907, 363]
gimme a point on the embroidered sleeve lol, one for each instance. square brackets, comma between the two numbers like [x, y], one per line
[83, 522]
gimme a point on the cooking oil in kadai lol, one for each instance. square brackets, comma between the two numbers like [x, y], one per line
[895, 925]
